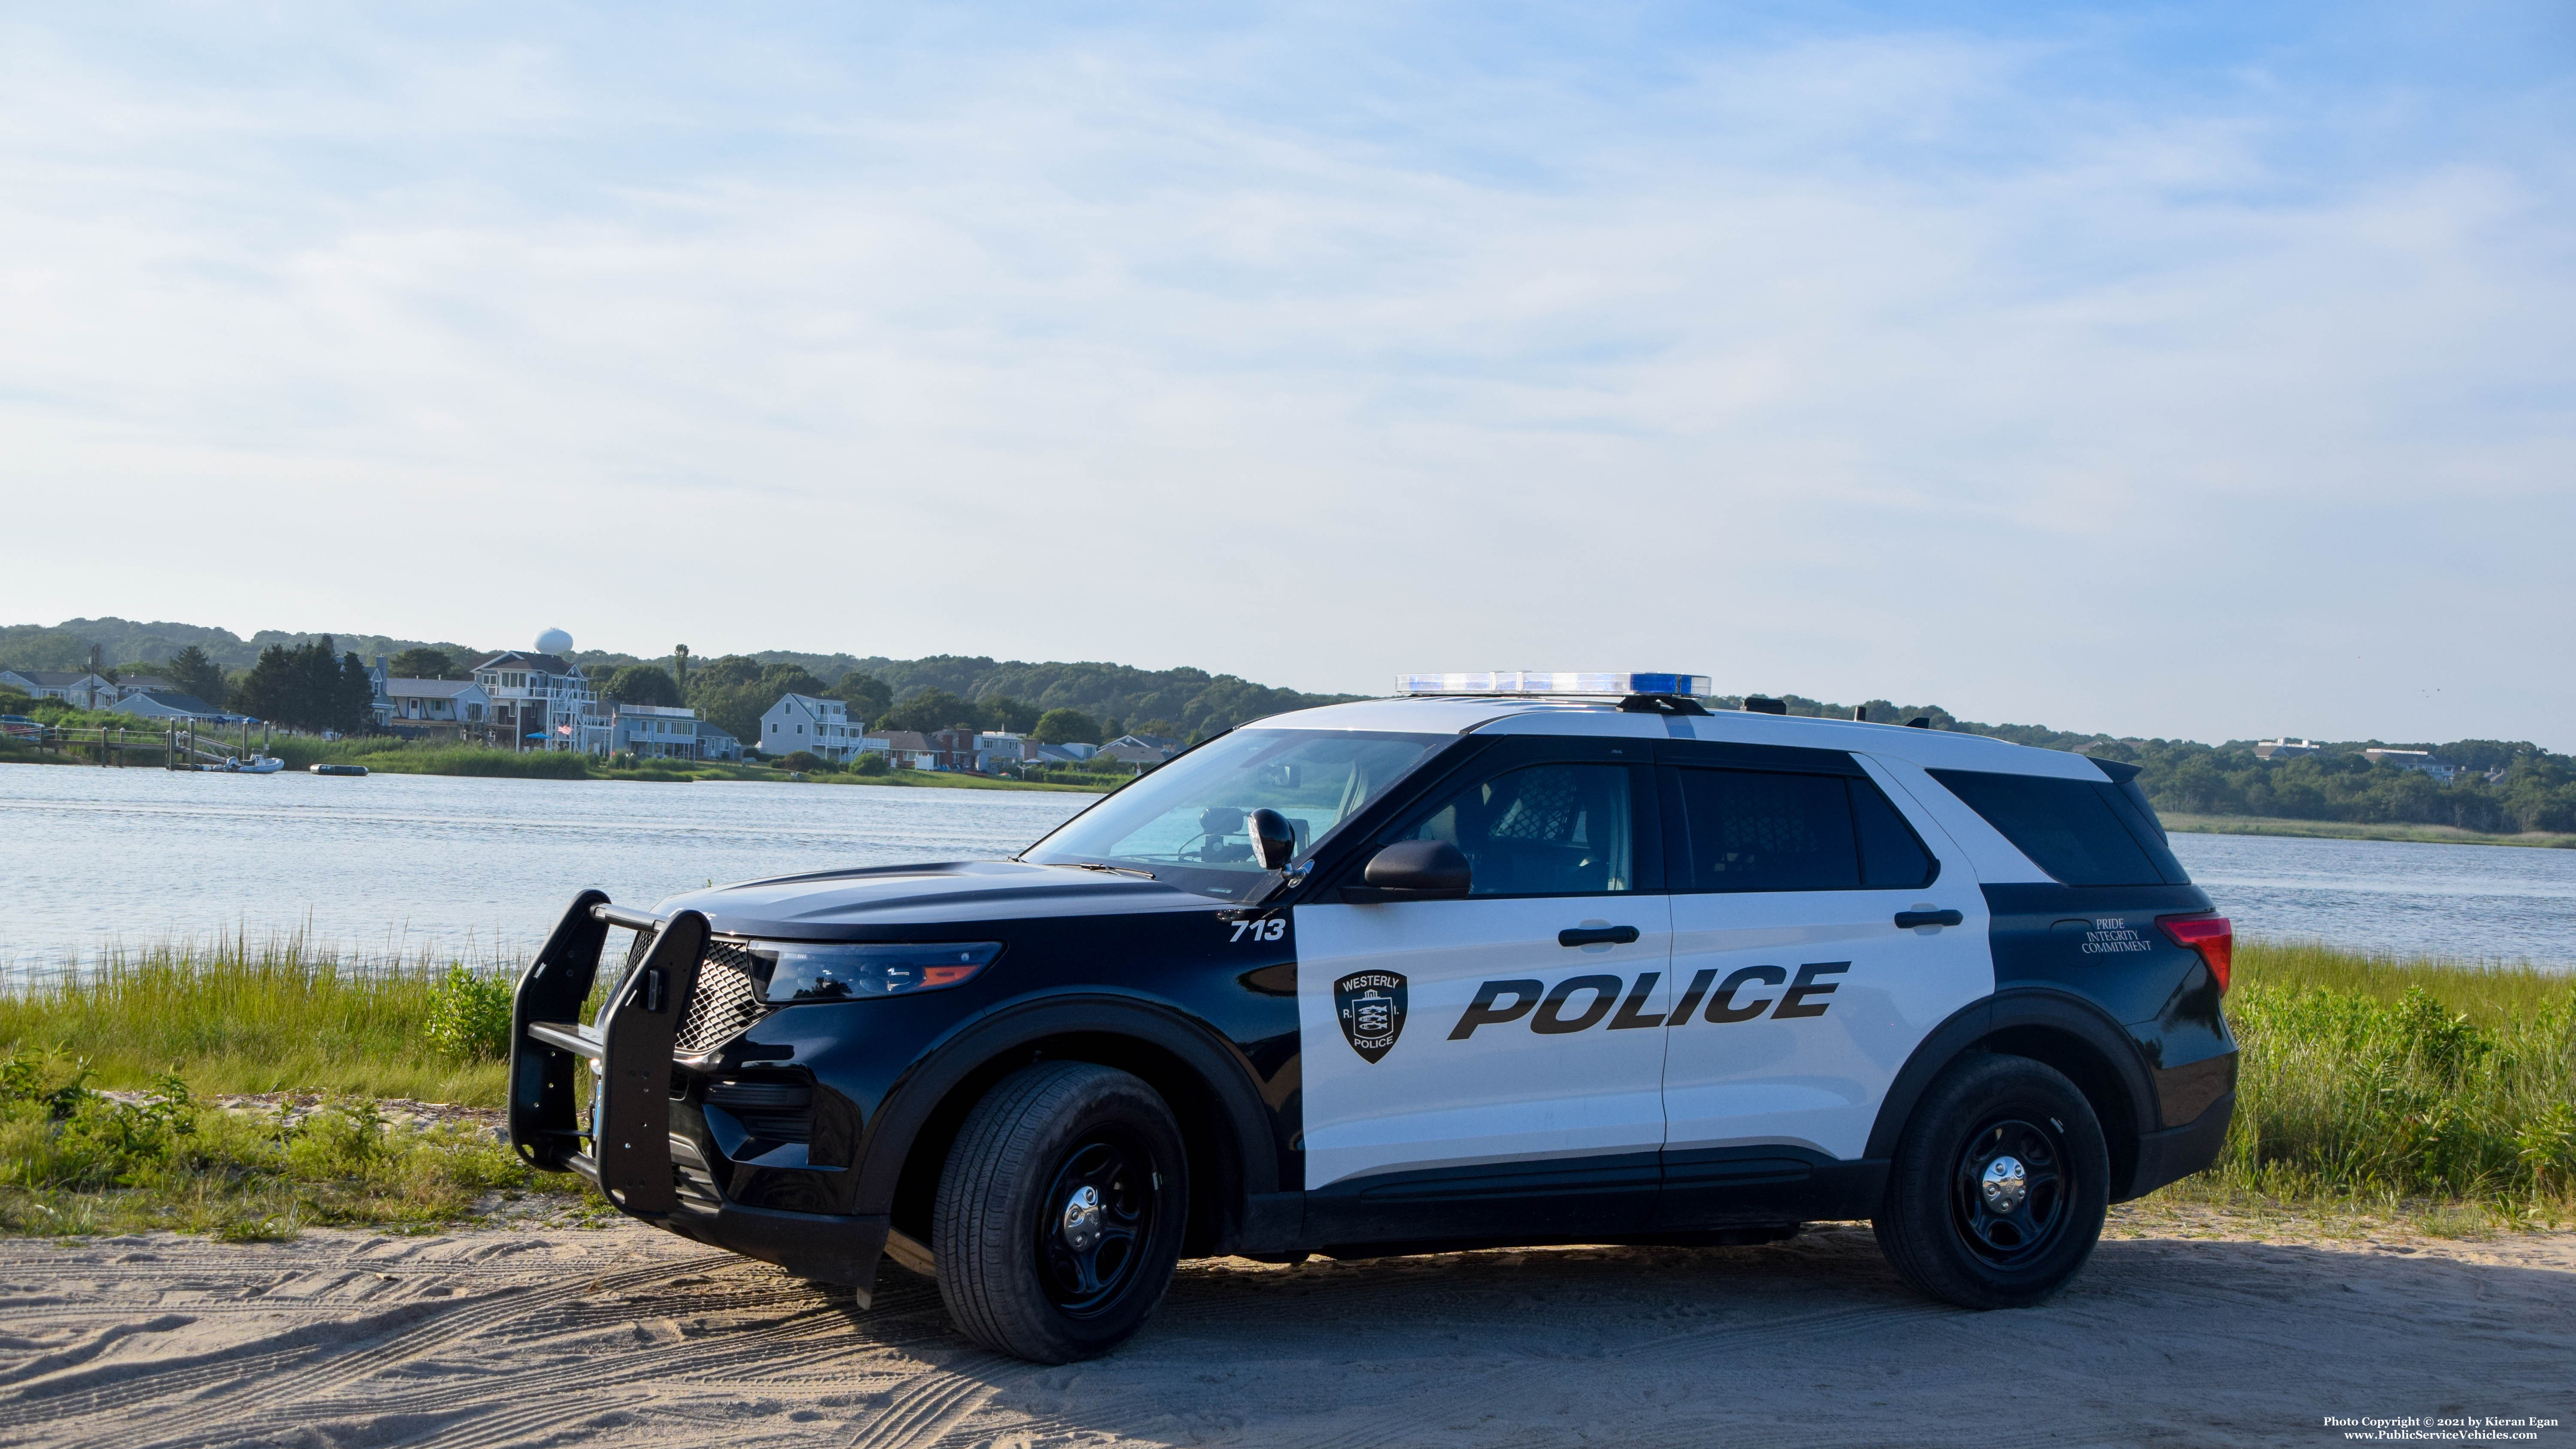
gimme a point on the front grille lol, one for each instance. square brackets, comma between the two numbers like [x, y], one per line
[723, 1002]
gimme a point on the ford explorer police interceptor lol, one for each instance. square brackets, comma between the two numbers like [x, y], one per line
[1510, 959]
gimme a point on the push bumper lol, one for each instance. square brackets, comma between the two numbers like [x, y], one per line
[627, 1149]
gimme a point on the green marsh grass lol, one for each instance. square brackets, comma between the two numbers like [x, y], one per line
[73, 1161]
[2409, 1086]
[2443, 1092]
[234, 1016]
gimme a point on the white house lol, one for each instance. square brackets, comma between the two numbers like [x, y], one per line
[802, 722]
[657, 731]
[167, 704]
[131, 685]
[999, 750]
[448, 705]
[1143, 749]
[74, 687]
[542, 702]
[905, 749]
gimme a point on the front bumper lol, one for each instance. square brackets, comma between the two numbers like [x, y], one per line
[628, 1149]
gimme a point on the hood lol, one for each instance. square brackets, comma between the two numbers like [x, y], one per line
[862, 904]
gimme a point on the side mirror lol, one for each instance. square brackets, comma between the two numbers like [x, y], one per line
[1274, 840]
[1413, 870]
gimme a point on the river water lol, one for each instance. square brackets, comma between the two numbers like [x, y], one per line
[99, 859]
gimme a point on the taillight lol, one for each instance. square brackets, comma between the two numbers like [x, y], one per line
[2212, 936]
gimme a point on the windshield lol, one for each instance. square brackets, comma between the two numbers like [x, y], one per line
[1185, 821]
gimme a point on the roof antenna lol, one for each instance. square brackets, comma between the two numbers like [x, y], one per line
[1756, 704]
[1860, 714]
[1919, 722]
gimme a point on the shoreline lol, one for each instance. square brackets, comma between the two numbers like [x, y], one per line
[694, 773]
[2342, 830]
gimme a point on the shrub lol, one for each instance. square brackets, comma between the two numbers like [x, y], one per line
[801, 760]
[874, 762]
[469, 1015]
[169, 1161]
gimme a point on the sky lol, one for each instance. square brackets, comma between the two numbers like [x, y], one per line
[2201, 371]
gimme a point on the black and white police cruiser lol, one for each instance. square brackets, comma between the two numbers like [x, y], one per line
[1508, 959]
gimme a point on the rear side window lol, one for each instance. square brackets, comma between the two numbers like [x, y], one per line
[1761, 830]
[2074, 829]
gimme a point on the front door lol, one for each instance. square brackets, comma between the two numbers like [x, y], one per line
[1493, 1065]
[1800, 992]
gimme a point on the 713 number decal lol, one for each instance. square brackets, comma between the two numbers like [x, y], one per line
[1269, 930]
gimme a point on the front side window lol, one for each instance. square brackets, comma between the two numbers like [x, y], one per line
[1185, 822]
[1542, 830]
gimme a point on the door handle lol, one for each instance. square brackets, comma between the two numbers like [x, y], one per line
[1908, 920]
[1597, 936]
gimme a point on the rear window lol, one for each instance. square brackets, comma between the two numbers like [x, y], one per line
[2076, 830]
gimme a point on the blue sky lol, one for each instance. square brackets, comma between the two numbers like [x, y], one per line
[2194, 371]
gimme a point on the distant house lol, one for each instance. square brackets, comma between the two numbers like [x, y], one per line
[1142, 749]
[168, 704]
[445, 706]
[715, 744]
[541, 701]
[77, 688]
[2285, 748]
[657, 731]
[803, 722]
[128, 686]
[2423, 761]
[906, 749]
[1061, 754]
[997, 751]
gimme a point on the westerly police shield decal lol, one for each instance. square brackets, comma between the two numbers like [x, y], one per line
[1371, 1006]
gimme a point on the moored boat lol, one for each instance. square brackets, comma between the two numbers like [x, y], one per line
[337, 769]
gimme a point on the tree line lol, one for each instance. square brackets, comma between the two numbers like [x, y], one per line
[734, 691]
[2535, 789]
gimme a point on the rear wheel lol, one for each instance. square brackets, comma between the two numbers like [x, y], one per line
[1060, 1212]
[1999, 1186]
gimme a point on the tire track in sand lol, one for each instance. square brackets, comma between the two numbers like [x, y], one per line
[257, 1385]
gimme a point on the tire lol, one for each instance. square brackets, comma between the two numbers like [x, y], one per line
[1999, 1186]
[1027, 1264]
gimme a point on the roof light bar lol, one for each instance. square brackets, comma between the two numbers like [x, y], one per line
[1526, 681]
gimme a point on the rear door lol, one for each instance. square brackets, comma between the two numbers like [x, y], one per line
[1809, 959]
[1469, 1068]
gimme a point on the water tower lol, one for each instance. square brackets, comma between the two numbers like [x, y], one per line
[553, 641]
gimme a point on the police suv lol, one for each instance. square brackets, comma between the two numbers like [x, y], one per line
[1509, 959]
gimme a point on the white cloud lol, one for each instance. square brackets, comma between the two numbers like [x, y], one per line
[1879, 365]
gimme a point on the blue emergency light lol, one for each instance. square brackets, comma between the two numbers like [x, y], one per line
[1528, 681]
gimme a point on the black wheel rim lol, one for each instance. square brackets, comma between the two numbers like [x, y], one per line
[1094, 1222]
[2009, 1197]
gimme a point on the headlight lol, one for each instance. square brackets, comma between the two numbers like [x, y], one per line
[800, 971]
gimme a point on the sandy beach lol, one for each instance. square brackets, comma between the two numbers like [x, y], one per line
[565, 1336]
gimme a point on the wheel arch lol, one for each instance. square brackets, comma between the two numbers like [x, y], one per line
[2057, 1029]
[1224, 1127]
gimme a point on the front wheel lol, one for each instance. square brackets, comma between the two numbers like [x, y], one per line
[1060, 1212]
[1999, 1186]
